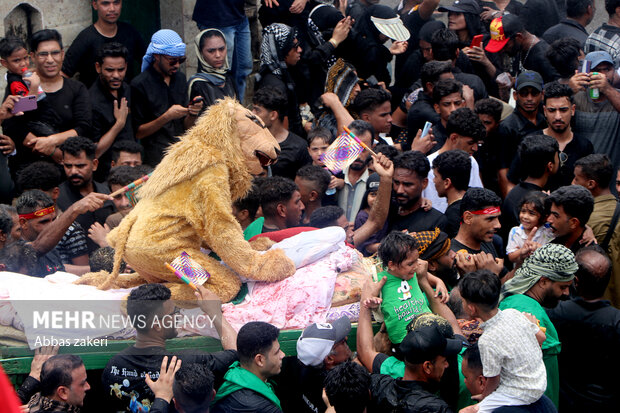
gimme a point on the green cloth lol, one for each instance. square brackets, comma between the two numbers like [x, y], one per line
[464, 399]
[551, 346]
[393, 367]
[255, 228]
[238, 378]
[399, 306]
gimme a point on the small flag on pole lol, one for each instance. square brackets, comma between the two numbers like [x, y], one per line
[190, 269]
[341, 153]
[131, 189]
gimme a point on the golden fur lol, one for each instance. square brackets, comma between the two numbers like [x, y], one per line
[187, 204]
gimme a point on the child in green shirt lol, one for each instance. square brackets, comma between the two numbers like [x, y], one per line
[403, 295]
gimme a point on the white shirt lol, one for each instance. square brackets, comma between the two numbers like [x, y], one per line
[509, 349]
[350, 196]
[441, 203]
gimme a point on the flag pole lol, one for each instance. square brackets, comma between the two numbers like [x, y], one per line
[348, 131]
[131, 185]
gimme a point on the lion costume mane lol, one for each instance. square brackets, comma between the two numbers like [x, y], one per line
[187, 204]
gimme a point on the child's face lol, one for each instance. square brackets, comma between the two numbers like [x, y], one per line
[529, 217]
[317, 147]
[16, 62]
[406, 269]
[371, 198]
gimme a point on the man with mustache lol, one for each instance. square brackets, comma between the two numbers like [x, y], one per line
[559, 109]
[569, 209]
[79, 162]
[111, 98]
[81, 56]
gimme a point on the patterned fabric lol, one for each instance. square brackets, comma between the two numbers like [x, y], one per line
[341, 79]
[606, 38]
[315, 34]
[553, 261]
[341, 153]
[509, 349]
[165, 42]
[431, 244]
[41, 404]
[190, 268]
[424, 238]
[277, 40]
[72, 244]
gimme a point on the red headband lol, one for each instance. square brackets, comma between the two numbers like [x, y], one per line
[38, 214]
[487, 211]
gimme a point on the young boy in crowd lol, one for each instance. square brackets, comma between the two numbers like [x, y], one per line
[319, 140]
[510, 346]
[14, 57]
[407, 278]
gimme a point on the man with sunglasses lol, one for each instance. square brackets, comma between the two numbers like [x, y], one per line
[527, 118]
[160, 98]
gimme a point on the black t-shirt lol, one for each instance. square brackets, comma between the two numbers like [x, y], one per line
[538, 15]
[48, 264]
[69, 195]
[538, 62]
[151, 98]
[489, 158]
[81, 56]
[510, 208]
[389, 395]
[473, 81]
[453, 216]
[487, 247]
[579, 324]
[300, 387]
[418, 220]
[513, 129]
[103, 120]
[277, 82]
[293, 155]
[123, 376]
[413, 22]
[566, 28]
[419, 113]
[210, 92]
[218, 13]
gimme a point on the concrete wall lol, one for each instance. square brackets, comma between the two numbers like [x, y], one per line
[69, 17]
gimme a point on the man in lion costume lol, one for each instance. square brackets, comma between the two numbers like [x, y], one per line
[187, 204]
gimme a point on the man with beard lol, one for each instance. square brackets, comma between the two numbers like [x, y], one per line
[160, 97]
[526, 119]
[355, 175]
[474, 245]
[542, 280]
[79, 162]
[410, 179]
[559, 109]
[155, 318]
[570, 209]
[81, 56]
[434, 247]
[111, 99]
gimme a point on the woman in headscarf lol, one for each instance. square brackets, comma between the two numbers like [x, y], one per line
[370, 56]
[213, 80]
[279, 53]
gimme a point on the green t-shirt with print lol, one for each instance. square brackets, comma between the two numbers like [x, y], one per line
[402, 300]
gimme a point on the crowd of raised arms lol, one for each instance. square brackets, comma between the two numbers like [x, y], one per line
[489, 183]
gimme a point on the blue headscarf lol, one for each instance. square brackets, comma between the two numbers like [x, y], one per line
[165, 42]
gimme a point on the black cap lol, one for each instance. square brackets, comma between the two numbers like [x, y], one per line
[426, 342]
[529, 78]
[463, 6]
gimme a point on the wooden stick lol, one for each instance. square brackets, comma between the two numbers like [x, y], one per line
[130, 186]
[348, 131]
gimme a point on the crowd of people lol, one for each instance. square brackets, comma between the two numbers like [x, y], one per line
[487, 190]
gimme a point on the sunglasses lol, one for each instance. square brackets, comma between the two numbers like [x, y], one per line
[526, 91]
[563, 158]
[173, 61]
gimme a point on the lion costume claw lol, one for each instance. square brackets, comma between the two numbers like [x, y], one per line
[186, 205]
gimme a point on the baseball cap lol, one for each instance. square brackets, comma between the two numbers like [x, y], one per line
[426, 342]
[463, 6]
[502, 29]
[529, 78]
[598, 57]
[318, 339]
